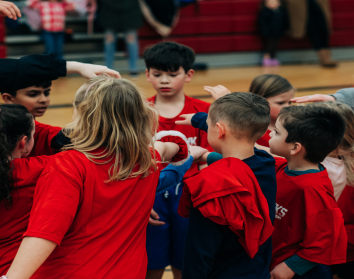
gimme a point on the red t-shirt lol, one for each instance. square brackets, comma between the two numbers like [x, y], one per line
[346, 204]
[42, 139]
[264, 140]
[228, 193]
[14, 222]
[194, 136]
[100, 227]
[308, 221]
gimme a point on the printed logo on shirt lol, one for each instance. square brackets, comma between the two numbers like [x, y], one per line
[280, 211]
[192, 141]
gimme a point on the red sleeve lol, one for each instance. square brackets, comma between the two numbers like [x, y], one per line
[279, 163]
[43, 138]
[325, 239]
[56, 200]
[185, 203]
[27, 170]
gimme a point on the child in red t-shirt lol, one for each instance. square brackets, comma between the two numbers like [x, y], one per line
[277, 91]
[309, 232]
[36, 99]
[168, 68]
[19, 176]
[94, 200]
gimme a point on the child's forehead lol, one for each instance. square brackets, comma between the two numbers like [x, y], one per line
[167, 72]
[32, 88]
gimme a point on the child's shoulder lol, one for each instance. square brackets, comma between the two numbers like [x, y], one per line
[197, 105]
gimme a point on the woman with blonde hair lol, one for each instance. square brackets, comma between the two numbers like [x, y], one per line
[93, 200]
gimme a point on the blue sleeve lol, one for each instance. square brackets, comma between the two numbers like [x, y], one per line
[199, 121]
[213, 157]
[299, 265]
[172, 175]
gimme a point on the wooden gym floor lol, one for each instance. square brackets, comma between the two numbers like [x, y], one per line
[307, 79]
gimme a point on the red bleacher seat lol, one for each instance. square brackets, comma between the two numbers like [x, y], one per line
[232, 25]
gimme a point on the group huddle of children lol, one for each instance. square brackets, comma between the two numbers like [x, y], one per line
[98, 200]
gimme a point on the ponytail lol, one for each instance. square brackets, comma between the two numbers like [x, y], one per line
[15, 122]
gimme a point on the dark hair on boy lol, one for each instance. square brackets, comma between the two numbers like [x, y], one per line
[270, 85]
[319, 129]
[43, 85]
[169, 56]
[247, 115]
[15, 122]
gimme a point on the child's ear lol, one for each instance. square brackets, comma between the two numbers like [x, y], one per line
[147, 75]
[221, 130]
[189, 76]
[297, 147]
[22, 143]
[7, 98]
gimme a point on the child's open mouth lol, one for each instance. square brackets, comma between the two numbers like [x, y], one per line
[41, 110]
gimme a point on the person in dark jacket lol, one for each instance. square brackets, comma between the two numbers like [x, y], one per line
[273, 21]
[123, 16]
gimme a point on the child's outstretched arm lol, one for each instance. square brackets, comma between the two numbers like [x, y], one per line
[217, 91]
[89, 70]
[197, 120]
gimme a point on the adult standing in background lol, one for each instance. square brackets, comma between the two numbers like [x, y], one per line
[312, 18]
[120, 16]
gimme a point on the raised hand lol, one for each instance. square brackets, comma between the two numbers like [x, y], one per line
[313, 98]
[187, 119]
[9, 9]
[217, 91]
[282, 271]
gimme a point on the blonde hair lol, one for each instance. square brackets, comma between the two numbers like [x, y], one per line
[347, 143]
[112, 113]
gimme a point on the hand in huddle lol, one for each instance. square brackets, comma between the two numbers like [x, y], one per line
[187, 119]
[282, 271]
[154, 219]
[199, 153]
[313, 98]
[217, 91]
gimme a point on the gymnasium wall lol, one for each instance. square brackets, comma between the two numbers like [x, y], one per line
[216, 26]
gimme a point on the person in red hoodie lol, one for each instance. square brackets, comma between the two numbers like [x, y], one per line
[277, 90]
[19, 176]
[229, 202]
[309, 233]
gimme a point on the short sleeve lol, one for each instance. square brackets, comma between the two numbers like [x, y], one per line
[279, 163]
[56, 200]
[213, 157]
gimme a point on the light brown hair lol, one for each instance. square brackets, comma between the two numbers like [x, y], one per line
[112, 113]
[347, 143]
[247, 115]
[270, 85]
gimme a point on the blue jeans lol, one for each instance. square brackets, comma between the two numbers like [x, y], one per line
[54, 42]
[131, 40]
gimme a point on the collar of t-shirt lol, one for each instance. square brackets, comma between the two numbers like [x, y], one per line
[297, 173]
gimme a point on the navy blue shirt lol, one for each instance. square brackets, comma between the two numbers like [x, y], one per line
[213, 251]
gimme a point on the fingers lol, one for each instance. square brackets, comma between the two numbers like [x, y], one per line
[112, 73]
[153, 220]
[10, 10]
[303, 99]
[182, 122]
[154, 214]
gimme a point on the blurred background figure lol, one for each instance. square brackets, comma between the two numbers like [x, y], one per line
[312, 18]
[273, 21]
[122, 16]
[52, 15]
